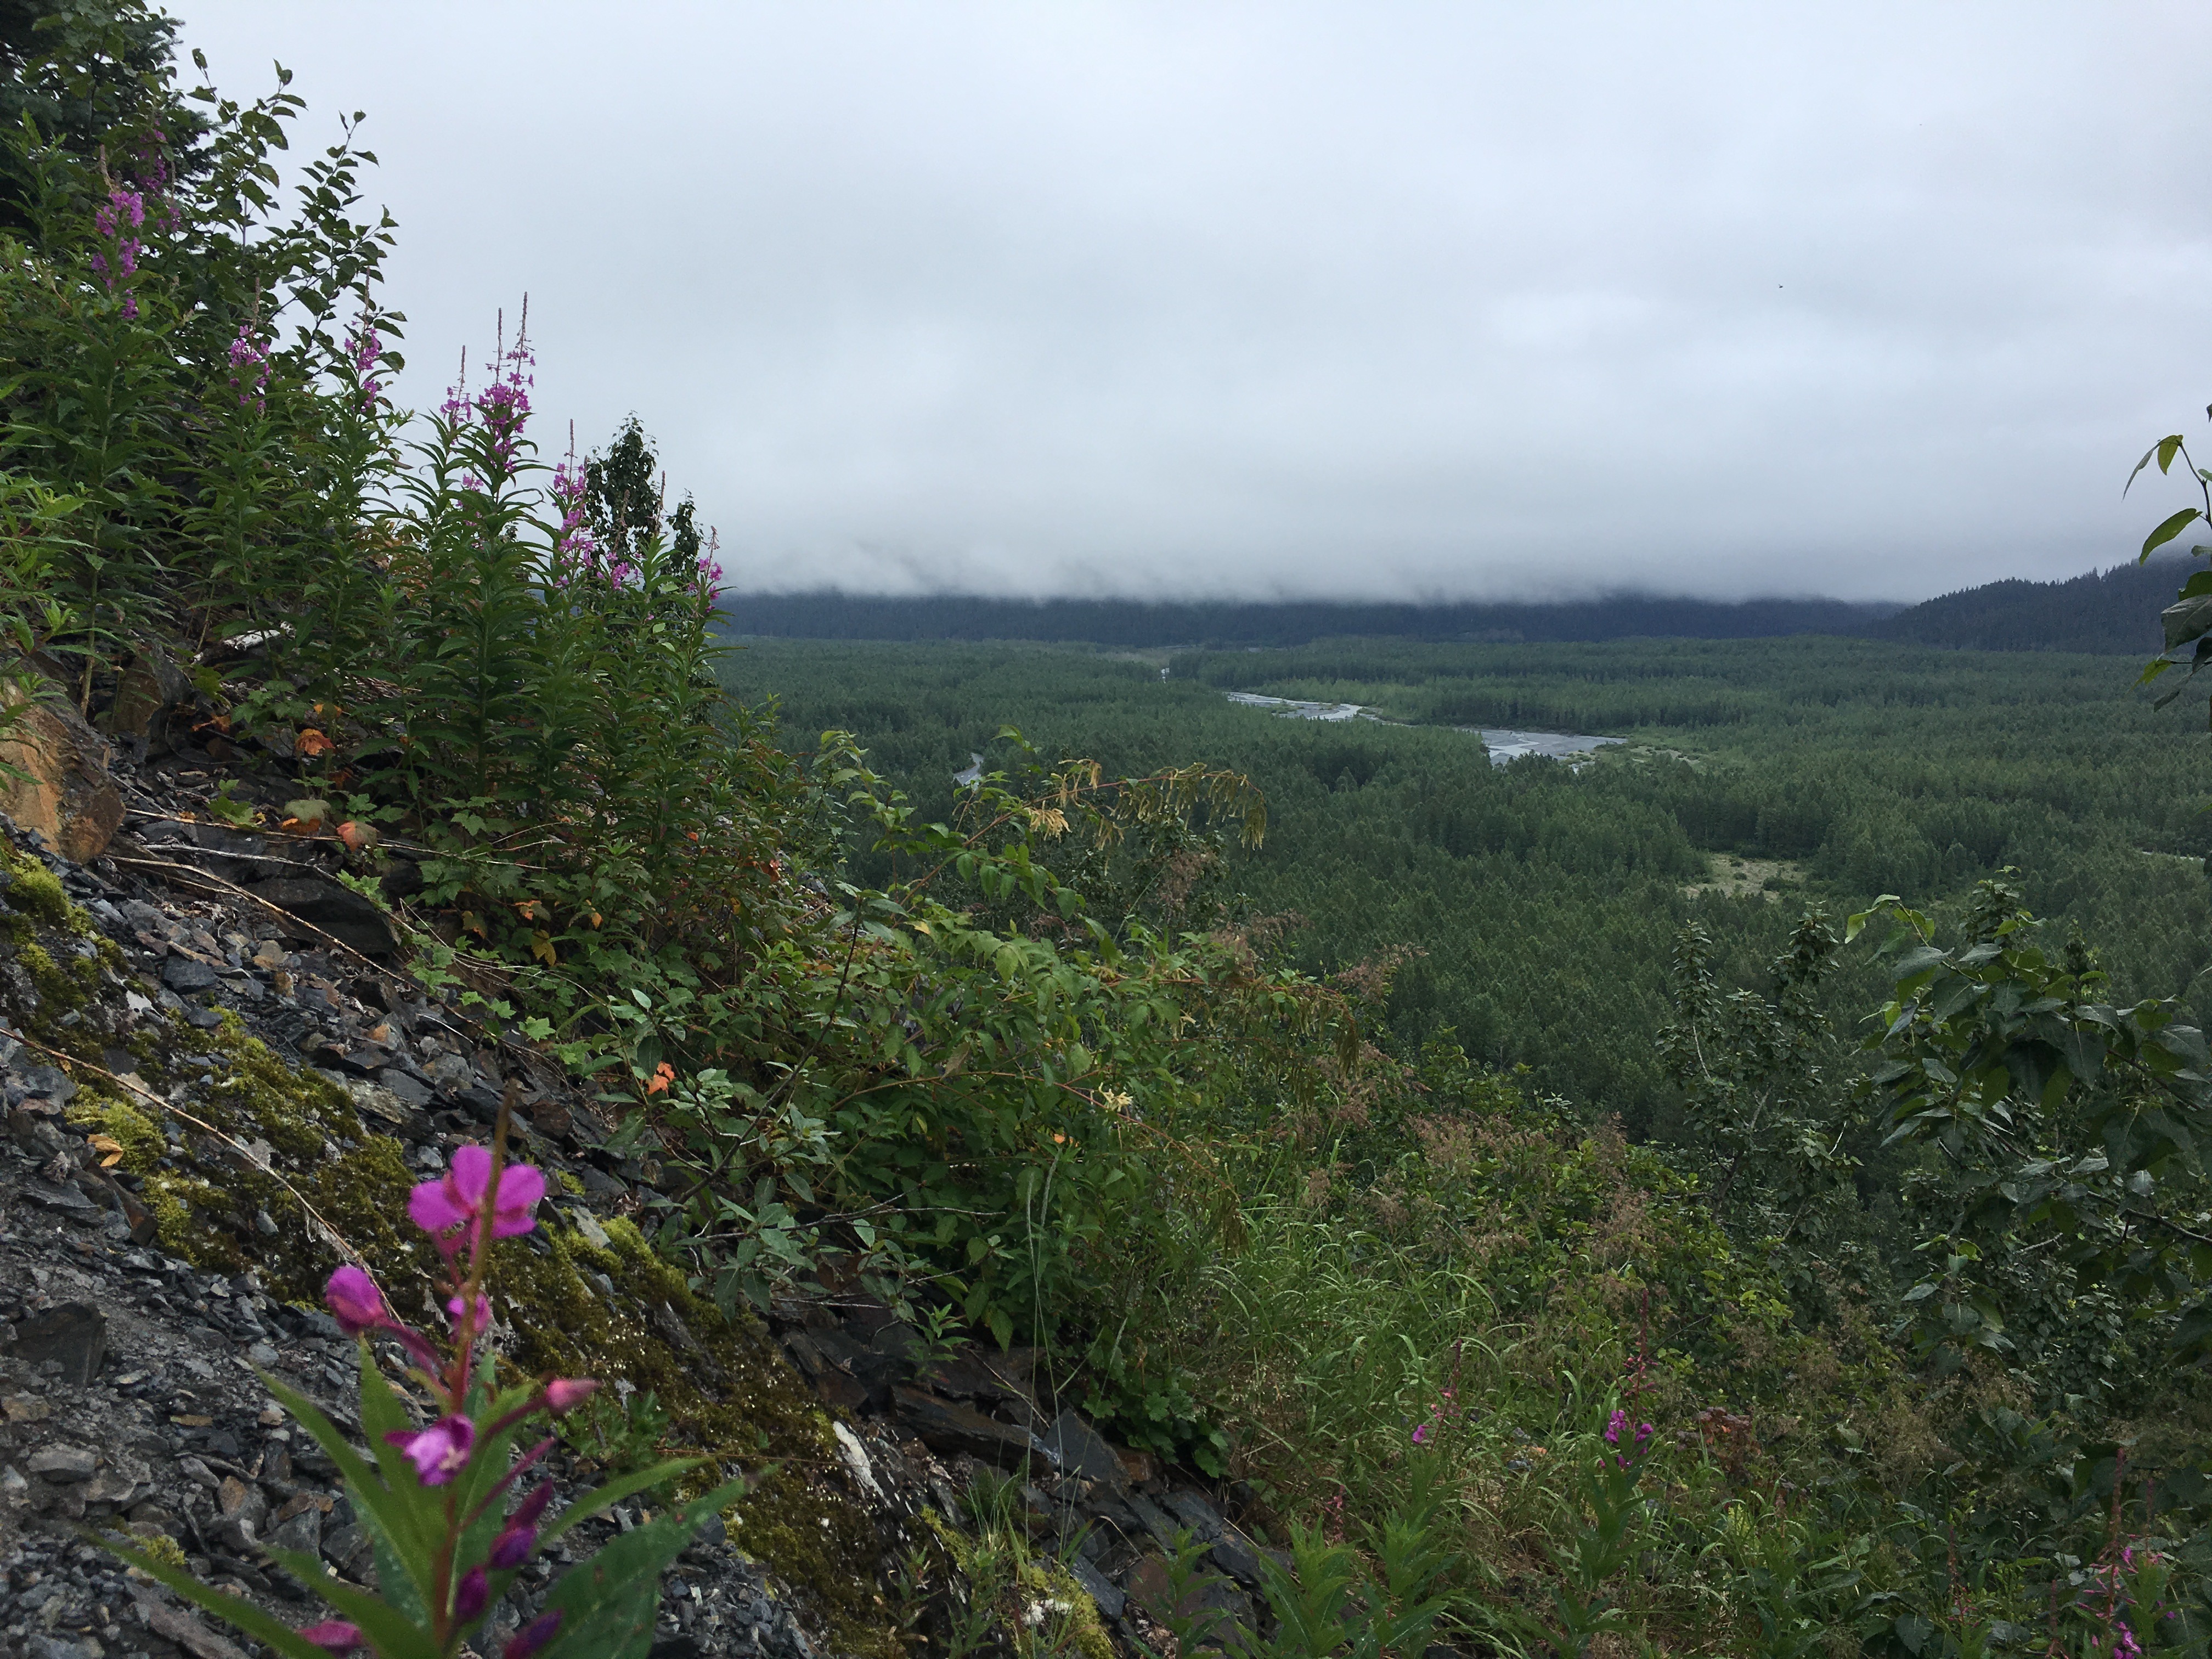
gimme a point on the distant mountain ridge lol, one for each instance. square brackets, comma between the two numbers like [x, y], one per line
[2113, 610]
[1137, 622]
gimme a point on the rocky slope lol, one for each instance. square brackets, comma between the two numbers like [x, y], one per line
[219, 1084]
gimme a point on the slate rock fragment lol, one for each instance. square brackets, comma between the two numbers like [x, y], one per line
[1083, 1450]
[944, 1426]
[74, 1333]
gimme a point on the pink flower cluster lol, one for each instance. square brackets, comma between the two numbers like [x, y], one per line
[365, 346]
[250, 359]
[464, 1210]
[1617, 1425]
[1447, 1408]
[118, 218]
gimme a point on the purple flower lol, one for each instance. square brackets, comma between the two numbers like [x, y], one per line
[453, 1201]
[355, 1301]
[532, 1636]
[564, 1393]
[1421, 1434]
[512, 1548]
[528, 1511]
[336, 1634]
[1613, 1426]
[471, 1595]
[439, 1452]
[483, 1321]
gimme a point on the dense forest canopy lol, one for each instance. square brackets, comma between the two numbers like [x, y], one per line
[1540, 894]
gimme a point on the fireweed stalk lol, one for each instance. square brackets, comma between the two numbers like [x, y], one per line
[432, 1501]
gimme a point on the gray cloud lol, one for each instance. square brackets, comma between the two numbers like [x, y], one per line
[1435, 298]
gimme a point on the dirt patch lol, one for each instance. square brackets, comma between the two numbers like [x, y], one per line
[1730, 877]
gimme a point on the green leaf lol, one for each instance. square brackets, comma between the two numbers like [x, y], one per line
[393, 1635]
[231, 1610]
[592, 1503]
[2190, 619]
[609, 1597]
[2167, 531]
[2163, 451]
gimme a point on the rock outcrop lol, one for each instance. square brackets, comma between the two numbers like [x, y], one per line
[63, 793]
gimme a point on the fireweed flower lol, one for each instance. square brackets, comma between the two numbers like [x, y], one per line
[512, 1548]
[336, 1634]
[483, 1321]
[355, 1301]
[532, 1636]
[444, 1207]
[564, 1393]
[439, 1452]
[123, 213]
[366, 347]
[249, 359]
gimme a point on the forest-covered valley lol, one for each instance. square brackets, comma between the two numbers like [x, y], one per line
[1545, 898]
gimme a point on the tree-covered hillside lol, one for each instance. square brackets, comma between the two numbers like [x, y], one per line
[1545, 897]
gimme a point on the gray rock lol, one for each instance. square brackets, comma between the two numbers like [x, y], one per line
[946, 1427]
[1111, 1601]
[1083, 1450]
[1153, 1519]
[50, 1081]
[410, 1091]
[261, 1354]
[345, 914]
[1236, 1557]
[1218, 1612]
[303, 1533]
[75, 1333]
[183, 976]
[350, 1550]
[64, 1464]
[1195, 1512]
[67, 1200]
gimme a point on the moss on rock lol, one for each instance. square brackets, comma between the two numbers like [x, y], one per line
[36, 892]
[140, 1137]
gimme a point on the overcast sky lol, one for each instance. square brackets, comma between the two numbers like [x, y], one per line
[1446, 299]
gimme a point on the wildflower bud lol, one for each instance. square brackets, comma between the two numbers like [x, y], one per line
[532, 1636]
[335, 1634]
[564, 1393]
[512, 1548]
[527, 1511]
[355, 1301]
[483, 1321]
[472, 1595]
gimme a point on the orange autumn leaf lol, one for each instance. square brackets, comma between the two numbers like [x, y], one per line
[312, 743]
[663, 1075]
[110, 1150]
[358, 836]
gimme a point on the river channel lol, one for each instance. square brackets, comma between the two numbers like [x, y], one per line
[1504, 746]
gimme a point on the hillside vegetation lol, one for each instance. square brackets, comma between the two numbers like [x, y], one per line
[1709, 1331]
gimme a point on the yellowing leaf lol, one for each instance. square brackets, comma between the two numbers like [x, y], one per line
[541, 946]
